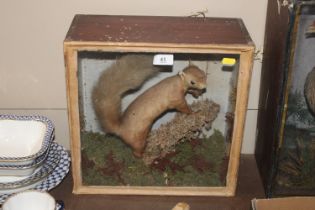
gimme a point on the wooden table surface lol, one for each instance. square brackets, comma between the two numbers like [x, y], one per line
[249, 187]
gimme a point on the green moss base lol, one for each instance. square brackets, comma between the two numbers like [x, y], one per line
[107, 161]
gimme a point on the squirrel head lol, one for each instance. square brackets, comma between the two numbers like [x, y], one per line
[194, 78]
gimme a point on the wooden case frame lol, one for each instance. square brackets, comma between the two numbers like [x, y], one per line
[76, 41]
[291, 70]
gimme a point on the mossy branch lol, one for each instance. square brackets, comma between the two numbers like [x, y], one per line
[182, 127]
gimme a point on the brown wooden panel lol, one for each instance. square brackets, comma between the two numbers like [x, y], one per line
[154, 29]
[276, 32]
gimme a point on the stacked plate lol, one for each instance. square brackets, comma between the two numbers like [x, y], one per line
[29, 157]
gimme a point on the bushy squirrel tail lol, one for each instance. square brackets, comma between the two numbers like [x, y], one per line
[127, 73]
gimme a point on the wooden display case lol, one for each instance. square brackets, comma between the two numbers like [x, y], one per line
[95, 41]
[285, 138]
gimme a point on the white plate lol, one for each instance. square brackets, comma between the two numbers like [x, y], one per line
[48, 183]
[21, 171]
[54, 156]
[24, 138]
[20, 138]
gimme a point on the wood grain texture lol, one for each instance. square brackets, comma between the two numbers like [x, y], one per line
[243, 85]
[152, 29]
[272, 78]
[73, 114]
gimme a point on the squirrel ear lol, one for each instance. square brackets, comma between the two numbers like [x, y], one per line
[181, 74]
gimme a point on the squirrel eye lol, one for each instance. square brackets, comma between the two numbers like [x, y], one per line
[192, 82]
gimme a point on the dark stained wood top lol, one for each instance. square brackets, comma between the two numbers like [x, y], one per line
[157, 29]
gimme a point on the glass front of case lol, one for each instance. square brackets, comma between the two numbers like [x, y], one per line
[296, 161]
[180, 149]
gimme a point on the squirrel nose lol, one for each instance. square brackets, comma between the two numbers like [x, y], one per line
[203, 86]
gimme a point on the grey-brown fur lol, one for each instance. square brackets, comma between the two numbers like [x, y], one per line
[309, 90]
[128, 72]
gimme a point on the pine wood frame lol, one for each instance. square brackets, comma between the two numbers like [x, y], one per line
[246, 53]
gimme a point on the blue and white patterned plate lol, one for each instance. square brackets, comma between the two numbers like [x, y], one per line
[59, 205]
[50, 159]
[48, 138]
[48, 166]
[53, 179]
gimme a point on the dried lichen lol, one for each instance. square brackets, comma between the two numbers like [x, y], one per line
[183, 127]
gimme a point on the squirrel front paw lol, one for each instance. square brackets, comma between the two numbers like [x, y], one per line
[196, 92]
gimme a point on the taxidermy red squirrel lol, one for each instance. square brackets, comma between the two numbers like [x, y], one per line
[129, 73]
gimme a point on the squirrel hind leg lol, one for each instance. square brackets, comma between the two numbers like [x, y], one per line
[138, 147]
[137, 154]
[136, 140]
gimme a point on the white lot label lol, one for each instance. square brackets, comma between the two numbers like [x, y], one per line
[163, 59]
